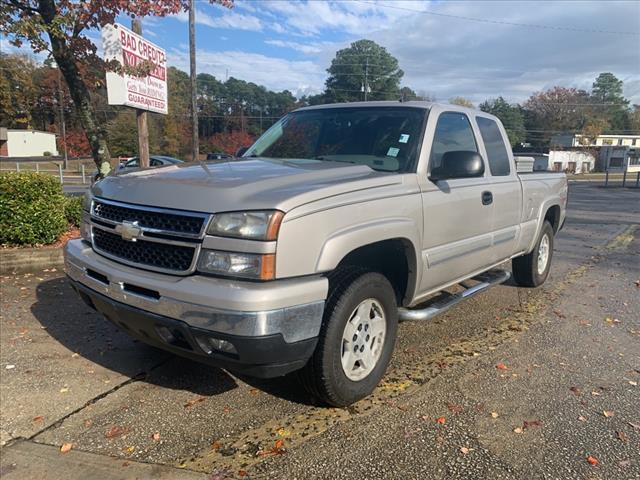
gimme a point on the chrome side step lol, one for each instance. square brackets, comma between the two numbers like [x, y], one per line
[446, 300]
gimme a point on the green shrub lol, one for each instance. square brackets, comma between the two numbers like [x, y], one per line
[73, 210]
[32, 208]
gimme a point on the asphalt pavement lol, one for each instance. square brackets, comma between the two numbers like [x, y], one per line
[515, 383]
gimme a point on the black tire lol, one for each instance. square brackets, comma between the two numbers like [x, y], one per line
[323, 376]
[525, 268]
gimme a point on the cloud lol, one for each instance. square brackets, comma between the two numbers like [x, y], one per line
[300, 47]
[301, 77]
[449, 56]
[224, 19]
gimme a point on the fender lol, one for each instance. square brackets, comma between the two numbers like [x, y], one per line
[554, 201]
[345, 241]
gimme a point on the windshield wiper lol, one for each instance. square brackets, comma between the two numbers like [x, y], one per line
[322, 157]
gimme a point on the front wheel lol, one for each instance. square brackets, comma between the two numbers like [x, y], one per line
[531, 270]
[356, 339]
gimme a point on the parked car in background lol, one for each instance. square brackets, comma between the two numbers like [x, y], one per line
[304, 253]
[219, 156]
[154, 161]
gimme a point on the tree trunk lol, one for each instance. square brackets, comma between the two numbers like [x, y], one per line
[77, 88]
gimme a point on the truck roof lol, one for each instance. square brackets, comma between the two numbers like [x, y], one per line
[396, 103]
[378, 103]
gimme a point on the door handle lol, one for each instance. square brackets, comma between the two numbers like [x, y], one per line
[487, 198]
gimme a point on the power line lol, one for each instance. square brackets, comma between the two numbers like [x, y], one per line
[499, 22]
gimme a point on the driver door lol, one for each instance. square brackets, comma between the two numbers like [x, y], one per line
[457, 219]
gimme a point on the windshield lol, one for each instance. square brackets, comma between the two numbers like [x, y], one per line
[383, 138]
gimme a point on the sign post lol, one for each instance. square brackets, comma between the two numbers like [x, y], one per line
[145, 94]
[141, 115]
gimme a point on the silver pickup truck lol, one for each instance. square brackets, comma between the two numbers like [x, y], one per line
[305, 252]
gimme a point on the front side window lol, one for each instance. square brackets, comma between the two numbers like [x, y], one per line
[384, 138]
[453, 133]
[496, 149]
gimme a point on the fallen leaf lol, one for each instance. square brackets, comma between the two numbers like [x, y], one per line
[242, 473]
[608, 413]
[464, 450]
[216, 446]
[502, 366]
[194, 401]
[441, 420]
[582, 419]
[576, 391]
[156, 436]
[425, 417]
[455, 408]
[517, 430]
[532, 423]
[116, 431]
[634, 425]
[88, 423]
[278, 449]
[621, 436]
[283, 432]
[66, 447]
[130, 450]
[494, 415]
[38, 419]
[254, 391]
[592, 460]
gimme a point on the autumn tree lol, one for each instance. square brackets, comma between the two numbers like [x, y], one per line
[463, 102]
[18, 92]
[60, 28]
[510, 116]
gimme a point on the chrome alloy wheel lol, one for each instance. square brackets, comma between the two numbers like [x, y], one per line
[363, 339]
[543, 254]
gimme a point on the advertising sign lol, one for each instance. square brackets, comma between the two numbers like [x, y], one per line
[130, 49]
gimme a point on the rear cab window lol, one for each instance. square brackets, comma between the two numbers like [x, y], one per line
[498, 156]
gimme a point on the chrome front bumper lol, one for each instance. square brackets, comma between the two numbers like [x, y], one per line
[292, 308]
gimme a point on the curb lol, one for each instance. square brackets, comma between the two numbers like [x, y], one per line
[26, 260]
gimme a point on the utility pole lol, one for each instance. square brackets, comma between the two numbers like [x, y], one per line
[192, 67]
[64, 128]
[141, 115]
[366, 78]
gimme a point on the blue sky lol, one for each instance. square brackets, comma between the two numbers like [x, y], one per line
[286, 44]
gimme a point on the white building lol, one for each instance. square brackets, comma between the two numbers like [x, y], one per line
[27, 143]
[578, 140]
[571, 161]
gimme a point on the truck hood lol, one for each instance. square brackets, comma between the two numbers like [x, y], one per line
[251, 184]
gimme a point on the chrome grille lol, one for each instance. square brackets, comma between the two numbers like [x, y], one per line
[162, 256]
[163, 240]
[179, 223]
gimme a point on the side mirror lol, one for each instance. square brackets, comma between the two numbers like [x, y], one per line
[241, 151]
[458, 164]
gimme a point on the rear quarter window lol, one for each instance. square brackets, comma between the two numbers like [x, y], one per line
[494, 144]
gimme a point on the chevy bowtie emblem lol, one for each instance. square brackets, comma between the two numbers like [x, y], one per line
[129, 231]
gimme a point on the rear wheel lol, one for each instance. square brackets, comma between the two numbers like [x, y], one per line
[531, 270]
[356, 339]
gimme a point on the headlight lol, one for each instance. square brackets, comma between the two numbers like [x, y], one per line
[248, 265]
[86, 201]
[260, 225]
